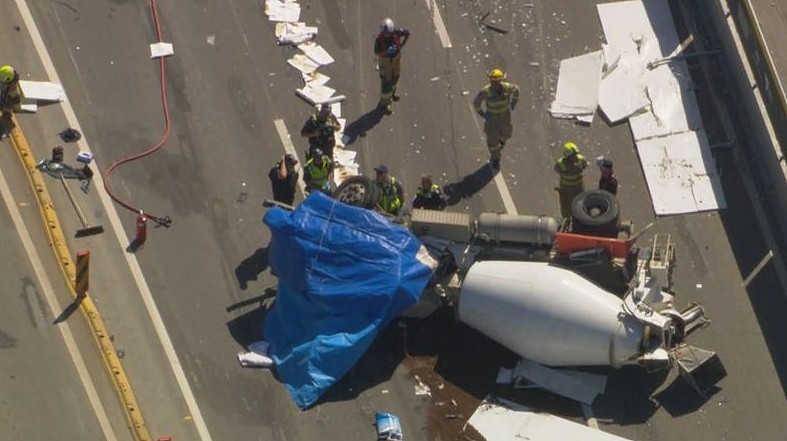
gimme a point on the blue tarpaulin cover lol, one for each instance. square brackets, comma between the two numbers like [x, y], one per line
[344, 273]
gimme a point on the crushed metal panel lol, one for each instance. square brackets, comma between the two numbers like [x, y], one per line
[497, 419]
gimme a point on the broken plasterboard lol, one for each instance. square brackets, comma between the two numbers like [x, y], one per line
[316, 52]
[282, 10]
[294, 33]
[315, 78]
[578, 87]
[42, 91]
[161, 49]
[622, 91]
[579, 386]
[303, 63]
[680, 173]
[503, 420]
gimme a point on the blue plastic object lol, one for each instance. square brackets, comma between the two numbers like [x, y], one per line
[388, 427]
[344, 273]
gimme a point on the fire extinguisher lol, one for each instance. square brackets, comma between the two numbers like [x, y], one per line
[142, 228]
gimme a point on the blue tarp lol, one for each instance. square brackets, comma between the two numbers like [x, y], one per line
[344, 273]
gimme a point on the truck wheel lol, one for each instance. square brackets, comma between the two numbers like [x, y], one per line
[596, 212]
[358, 191]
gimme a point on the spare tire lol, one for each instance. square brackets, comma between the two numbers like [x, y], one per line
[595, 212]
[359, 191]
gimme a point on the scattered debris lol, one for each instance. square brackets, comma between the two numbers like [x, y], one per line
[161, 49]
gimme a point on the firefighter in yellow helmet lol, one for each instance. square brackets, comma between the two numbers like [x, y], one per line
[570, 166]
[494, 103]
[10, 97]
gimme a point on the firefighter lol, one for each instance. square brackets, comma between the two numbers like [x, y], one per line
[570, 167]
[320, 128]
[494, 103]
[284, 179]
[10, 97]
[428, 195]
[388, 49]
[317, 172]
[391, 192]
[608, 181]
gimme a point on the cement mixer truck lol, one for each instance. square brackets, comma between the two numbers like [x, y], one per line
[559, 298]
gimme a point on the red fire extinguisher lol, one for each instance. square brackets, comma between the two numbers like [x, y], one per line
[142, 228]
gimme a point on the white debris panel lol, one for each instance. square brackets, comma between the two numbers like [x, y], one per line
[673, 147]
[578, 87]
[503, 420]
[294, 33]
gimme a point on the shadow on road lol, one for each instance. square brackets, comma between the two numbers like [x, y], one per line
[469, 185]
[360, 126]
[251, 267]
[247, 328]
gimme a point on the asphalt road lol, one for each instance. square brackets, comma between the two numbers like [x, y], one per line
[208, 272]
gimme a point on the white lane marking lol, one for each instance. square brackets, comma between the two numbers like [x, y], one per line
[758, 268]
[439, 25]
[54, 307]
[508, 202]
[286, 140]
[117, 226]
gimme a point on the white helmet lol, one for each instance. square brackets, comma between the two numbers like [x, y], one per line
[387, 25]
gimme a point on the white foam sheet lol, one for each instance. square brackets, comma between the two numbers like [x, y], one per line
[503, 420]
[42, 91]
[622, 92]
[317, 53]
[578, 86]
[680, 173]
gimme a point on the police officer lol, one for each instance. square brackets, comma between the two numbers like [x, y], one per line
[388, 49]
[494, 103]
[284, 179]
[570, 167]
[428, 196]
[320, 128]
[391, 192]
[317, 172]
[608, 181]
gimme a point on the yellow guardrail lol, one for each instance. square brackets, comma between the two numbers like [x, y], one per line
[89, 311]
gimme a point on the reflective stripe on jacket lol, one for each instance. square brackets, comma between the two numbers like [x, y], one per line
[317, 173]
[571, 172]
[497, 102]
[390, 201]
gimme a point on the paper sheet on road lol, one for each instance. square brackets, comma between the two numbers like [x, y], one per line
[316, 52]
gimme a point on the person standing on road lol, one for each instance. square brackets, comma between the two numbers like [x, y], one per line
[284, 179]
[320, 128]
[317, 172]
[608, 181]
[391, 192]
[570, 167]
[428, 196]
[494, 103]
[10, 97]
[388, 49]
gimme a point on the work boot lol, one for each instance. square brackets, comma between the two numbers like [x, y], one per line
[395, 97]
[388, 109]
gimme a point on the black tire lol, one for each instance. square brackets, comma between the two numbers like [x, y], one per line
[595, 212]
[359, 191]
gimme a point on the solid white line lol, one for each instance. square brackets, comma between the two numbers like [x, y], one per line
[54, 307]
[117, 226]
[439, 25]
[286, 140]
[508, 202]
